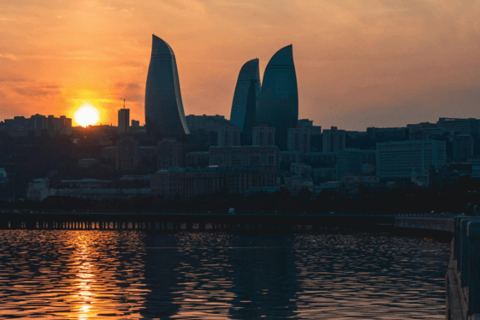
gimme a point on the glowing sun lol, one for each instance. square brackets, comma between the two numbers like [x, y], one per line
[86, 115]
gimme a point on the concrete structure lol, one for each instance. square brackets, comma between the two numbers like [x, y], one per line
[248, 73]
[205, 122]
[308, 124]
[169, 154]
[349, 162]
[123, 120]
[385, 134]
[229, 136]
[164, 113]
[298, 139]
[469, 126]
[427, 133]
[333, 140]
[320, 159]
[201, 182]
[409, 159]
[263, 136]
[286, 158]
[197, 159]
[244, 156]
[278, 103]
[462, 146]
[127, 154]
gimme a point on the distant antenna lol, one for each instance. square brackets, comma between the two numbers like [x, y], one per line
[124, 103]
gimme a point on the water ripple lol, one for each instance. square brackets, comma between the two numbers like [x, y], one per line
[137, 275]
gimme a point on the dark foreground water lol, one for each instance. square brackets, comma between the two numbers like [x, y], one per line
[131, 275]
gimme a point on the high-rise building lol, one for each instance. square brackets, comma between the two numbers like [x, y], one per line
[250, 114]
[249, 73]
[278, 103]
[409, 159]
[462, 146]
[263, 136]
[127, 153]
[169, 154]
[333, 140]
[298, 139]
[229, 136]
[123, 120]
[164, 115]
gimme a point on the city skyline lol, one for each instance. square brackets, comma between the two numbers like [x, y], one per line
[358, 65]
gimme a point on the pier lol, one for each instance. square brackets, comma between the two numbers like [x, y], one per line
[174, 222]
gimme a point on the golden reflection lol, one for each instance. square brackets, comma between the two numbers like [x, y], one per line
[102, 281]
[85, 276]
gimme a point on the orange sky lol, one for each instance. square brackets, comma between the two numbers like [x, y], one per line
[359, 63]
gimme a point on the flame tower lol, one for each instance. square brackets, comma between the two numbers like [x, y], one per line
[278, 103]
[249, 72]
[164, 115]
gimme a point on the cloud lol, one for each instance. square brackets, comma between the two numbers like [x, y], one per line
[8, 56]
[130, 91]
[33, 91]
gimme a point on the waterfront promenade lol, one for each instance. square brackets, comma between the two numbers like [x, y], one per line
[463, 274]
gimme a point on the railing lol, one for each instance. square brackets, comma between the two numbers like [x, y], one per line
[466, 266]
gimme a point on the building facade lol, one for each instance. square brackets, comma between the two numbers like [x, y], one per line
[229, 136]
[244, 156]
[298, 139]
[123, 120]
[200, 182]
[127, 153]
[462, 146]
[333, 140]
[349, 161]
[169, 154]
[263, 136]
[409, 159]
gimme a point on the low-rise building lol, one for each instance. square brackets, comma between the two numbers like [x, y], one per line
[194, 182]
[244, 156]
[409, 159]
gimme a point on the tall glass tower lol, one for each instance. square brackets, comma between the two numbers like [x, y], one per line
[164, 115]
[278, 103]
[250, 71]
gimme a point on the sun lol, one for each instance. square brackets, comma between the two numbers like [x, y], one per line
[86, 115]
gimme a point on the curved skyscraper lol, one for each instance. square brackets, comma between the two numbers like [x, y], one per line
[164, 113]
[249, 71]
[278, 103]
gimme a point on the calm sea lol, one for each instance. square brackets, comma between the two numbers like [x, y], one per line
[139, 275]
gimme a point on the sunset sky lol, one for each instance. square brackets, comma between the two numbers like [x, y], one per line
[359, 63]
